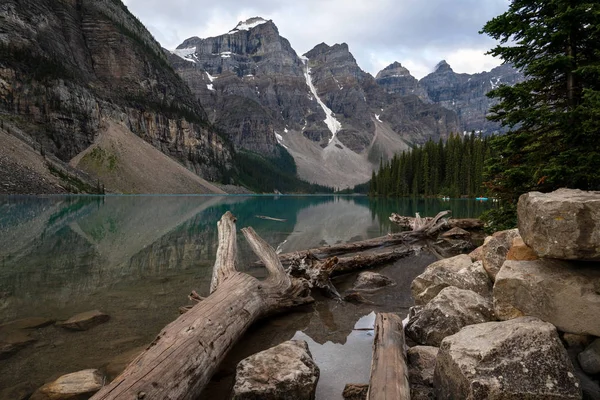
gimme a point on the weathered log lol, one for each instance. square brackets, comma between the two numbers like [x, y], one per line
[389, 370]
[424, 230]
[463, 223]
[186, 353]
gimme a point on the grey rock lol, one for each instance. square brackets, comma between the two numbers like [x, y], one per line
[397, 79]
[284, 372]
[589, 359]
[421, 364]
[518, 359]
[85, 320]
[451, 310]
[81, 384]
[495, 249]
[564, 224]
[457, 271]
[370, 281]
[563, 293]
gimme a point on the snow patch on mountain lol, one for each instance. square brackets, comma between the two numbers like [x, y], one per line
[188, 54]
[333, 124]
[248, 24]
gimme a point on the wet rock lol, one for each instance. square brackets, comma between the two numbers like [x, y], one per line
[368, 280]
[517, 359]
[495, 249]
[120, 362]
[356, 297]
[354, 391]
[286, 371]
[421, 364]
[28, 323]
[85, 321]
[519, 251]
[11, 341]
[77, 385]
[573, 340]
[456, 233]
[447, 313]
[21, 391]
[564, 224]
[589, 359]
[457, 271]
[560, 292]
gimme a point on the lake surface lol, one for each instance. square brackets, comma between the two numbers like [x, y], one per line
[137, 258]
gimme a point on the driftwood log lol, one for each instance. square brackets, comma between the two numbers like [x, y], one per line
[389, 370]
[464, 223]
[187, 352]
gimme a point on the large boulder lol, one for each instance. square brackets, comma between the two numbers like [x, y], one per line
[512, 360]
[451, 310]
[284, 372]
[457, 271]
[564, 224]
[75, 386]
[421, 364]
[85, 320]
[563, 293]
[589, 359]
[494, 250]
[370, 281]
[519, 251]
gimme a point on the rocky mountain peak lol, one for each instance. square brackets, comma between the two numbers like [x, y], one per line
[442, 66]
[249, 24]
[395, 70]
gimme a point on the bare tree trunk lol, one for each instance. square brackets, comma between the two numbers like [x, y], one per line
[186, 353]
[464, 223]
[389, 371]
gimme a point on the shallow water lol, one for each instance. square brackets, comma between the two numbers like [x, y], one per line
[137, 257]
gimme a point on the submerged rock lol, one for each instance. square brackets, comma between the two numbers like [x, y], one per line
[354, 391]
[77, 385]
[446, 314]
[457, 271]
[494, 251]
[22, 391]
[11, 341]
[28, 323]
[589, 359]
[560, 292]
[564, 224]
[85, 320]
[369, 281]
[517, 359]
[284, 372]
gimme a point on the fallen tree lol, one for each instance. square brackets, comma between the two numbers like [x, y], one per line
[464, 223]
[186, 353]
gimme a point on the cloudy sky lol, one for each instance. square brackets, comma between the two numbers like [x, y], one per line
[417, 33]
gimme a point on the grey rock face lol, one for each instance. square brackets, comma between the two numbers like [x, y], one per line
[68, 66]
[564, 224]
[495, 249]
[589, 359]
[560, 292]
[518, 359]
[284, 372]
[457, 271]
[450, 311]
[466, 94]
[397, 79]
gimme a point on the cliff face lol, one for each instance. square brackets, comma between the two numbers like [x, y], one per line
[397, 79]
[68, 67]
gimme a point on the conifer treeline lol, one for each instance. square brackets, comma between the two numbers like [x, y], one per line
[453, 168]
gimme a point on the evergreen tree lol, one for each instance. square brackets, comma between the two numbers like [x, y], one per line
[554, 114]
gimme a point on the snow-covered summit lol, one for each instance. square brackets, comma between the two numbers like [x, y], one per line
[248, 24]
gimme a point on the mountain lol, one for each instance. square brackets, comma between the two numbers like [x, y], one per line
[465, 94]
[322, 108]
[70, 71]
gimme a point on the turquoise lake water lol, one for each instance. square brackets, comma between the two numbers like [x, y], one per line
[137, 258]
